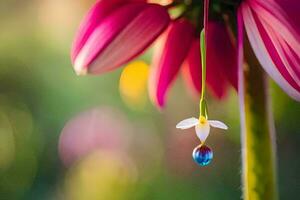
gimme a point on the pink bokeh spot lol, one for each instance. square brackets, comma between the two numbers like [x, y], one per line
[96, 129]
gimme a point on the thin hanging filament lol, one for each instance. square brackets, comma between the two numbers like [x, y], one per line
[203, 39]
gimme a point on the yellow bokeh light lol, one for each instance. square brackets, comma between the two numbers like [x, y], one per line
[133, 83]
[100, 176]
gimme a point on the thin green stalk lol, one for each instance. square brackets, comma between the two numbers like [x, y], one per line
[203, 60]
[203, 38]
[203, 109]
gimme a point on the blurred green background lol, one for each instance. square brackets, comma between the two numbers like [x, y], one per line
[145, 157]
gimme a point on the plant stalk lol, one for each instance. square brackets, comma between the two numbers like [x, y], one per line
[203, 46]
[258, 133]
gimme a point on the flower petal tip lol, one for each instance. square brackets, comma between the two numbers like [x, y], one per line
[160, 102]
[160, 105]
[187, 123]
[218, 124]
[178, 126]
[79, 69]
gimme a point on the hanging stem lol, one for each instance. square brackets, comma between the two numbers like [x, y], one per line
[203, 109]
[203, 60]
[258, 135]
[203, 39]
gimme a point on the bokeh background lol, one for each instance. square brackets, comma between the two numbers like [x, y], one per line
[69, 137]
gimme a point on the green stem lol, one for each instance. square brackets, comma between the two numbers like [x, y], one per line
[203, 60]
[203, 40]
[202, 105]
[258, 135]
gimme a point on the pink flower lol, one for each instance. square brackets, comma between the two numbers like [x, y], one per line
[275, 39]
[114, 32]
[107, 40]
[180, 47]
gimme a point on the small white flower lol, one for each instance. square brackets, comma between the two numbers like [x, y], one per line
[202, 126]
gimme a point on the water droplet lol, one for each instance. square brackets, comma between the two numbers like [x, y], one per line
[202, 155]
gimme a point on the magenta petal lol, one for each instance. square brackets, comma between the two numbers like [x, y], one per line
[119, 39]
[192, 68]
[278, 19]
[292, 8]
[222, 53]
[168, 57]
[283, 13]
[98, 12]
[221, 62]
[92, 19]
[277, 51]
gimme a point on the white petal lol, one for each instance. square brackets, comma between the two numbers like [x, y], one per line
[202, 131]
[217, 124]
[187, 123]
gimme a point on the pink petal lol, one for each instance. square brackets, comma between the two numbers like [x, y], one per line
[216, 80]
[288, 56]
[100, 10]
[118, 39]
[271, 13]
[221, 51]
[221, 62]
[94, 16]
[286, 11]
[277, 51]
[169, 55]
[192, 68]
[292, 7]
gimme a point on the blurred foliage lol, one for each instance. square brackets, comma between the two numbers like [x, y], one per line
[39, 93]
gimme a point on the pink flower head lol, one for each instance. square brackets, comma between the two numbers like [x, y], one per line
[275, 39]
[107, 39]
[114, 32]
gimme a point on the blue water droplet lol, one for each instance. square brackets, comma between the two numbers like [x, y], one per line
[202, 155]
